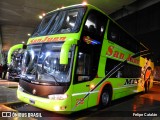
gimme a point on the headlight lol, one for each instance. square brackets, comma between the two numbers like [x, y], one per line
[20, 88]
[58, 97]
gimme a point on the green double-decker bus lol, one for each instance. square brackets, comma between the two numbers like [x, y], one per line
[78, 57]
[14, 59]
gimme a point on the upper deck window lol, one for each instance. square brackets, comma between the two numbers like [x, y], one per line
[59, 22]
[117, 35]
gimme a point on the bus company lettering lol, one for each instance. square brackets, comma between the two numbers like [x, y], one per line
[47, 39]
[120, 55]
[131, 81]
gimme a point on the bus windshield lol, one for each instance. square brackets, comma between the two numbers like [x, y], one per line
[15, 65]
[59, 22]
[41, 63]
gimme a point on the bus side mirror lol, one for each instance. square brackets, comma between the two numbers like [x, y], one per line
[11, 50]
[65, 50]
[64, 53]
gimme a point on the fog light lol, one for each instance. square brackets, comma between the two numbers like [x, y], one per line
[57, 108]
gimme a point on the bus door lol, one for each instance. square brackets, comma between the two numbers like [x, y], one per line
[88, 56]
[81, 81]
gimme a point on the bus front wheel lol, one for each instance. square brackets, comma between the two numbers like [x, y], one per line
[105, 98]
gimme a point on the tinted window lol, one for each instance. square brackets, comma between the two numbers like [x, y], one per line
[95, 25]
[59, 22]
[122, 38]
[90, 46]
[128, 71]
[84, 66]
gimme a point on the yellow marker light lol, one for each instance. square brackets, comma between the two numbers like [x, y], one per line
[92, 86]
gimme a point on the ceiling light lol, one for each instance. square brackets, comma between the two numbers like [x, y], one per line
[84, 3]
[29, 34]
[43, 14]
[40, 16]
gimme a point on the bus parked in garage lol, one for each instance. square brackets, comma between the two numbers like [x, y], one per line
[14, 59]
[78, 57]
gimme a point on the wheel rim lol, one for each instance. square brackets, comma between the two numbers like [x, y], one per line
[105, 98]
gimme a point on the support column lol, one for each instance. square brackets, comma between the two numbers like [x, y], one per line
[1, 58]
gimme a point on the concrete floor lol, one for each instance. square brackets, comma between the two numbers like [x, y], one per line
[122, 109]
[8, 91]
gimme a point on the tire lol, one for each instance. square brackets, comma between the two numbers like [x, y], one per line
[105, 98]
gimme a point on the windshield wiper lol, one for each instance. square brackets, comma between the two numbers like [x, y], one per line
[55, 78]
[42, 82]
[25, 77]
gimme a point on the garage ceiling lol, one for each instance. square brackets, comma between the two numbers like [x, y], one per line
[20, 17]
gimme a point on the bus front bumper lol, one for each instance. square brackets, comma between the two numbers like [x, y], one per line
[58, 106]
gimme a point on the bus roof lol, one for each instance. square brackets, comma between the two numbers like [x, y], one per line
[77, 5]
